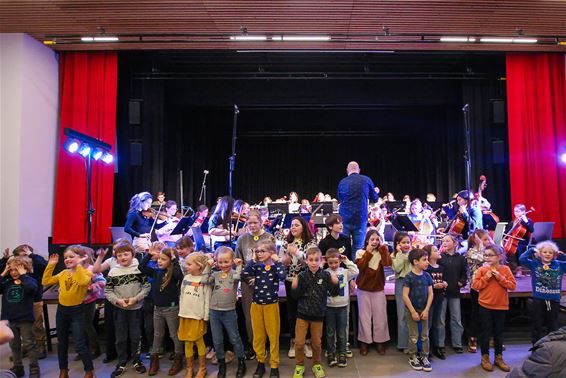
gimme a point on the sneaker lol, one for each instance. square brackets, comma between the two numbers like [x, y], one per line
[118, 372]
[349, 353]
[318, 371]
[249, 354]
[415, 363]
[425, 363]
[274, 373]
[291, 353]
[308, 350]
[138, 365]
[459, 350]
[439, 352]
[299, 371]
[342, 361]
[472, 345]
[331, 359]
[18, 371]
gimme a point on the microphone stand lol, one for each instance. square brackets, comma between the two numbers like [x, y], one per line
[203, 188]
[232, 158]
[468, 149]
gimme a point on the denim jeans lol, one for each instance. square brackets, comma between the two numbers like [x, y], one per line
[434, 325]
[71, 318]
[336, 332]
[169, 316]
[402, 330]
[23, 337]
[146, 325]
[357, 233]
[229, 321]
[456, 328]
[127, 322]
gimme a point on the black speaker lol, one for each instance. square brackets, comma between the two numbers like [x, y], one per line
[498, 151]
[134, 111]
[498, 107]
[135, 154]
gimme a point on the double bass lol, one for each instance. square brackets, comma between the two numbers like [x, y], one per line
[515, 235]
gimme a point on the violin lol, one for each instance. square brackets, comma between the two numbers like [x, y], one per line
[151, 213]
[515, 235]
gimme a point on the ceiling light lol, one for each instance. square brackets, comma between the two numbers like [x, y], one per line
[457, 39]
[87, 39]
[248, 38]
[106, 38]
[306, 38]
[524, 40]
[277, 38]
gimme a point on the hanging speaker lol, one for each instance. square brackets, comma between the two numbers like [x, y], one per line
[498, 107]
[134, 112]
[136, 154]
[498, 151]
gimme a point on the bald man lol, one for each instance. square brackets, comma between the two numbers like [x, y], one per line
[354, 191]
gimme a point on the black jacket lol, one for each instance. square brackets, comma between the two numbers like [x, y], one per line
[312, 292]
[455, 272]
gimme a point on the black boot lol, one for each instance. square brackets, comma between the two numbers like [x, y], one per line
[221, 368]
[241, 368]
[274, 373]
[260, 370]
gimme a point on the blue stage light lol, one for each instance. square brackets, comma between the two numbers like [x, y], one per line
[97, 154]
[72, 145]
[107, 158]
[84, 150]
[563, 158]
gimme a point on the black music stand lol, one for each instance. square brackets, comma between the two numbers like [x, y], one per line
[278, 208]
[395, 206]
[403, 223]
[325, 208]
[183, 226]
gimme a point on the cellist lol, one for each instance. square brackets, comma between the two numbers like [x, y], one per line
[468, 218]
[521, 220]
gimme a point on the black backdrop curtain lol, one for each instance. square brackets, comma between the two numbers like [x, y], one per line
[406, 133]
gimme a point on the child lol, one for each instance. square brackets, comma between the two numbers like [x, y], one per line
[165, 283]
[194, 311]
[73, 283]
[401, 266]
[185, 247]
[455, 274]
[311, 287]
[439, 285]
[335, 239]
[126, 287]
[38, 264]
[223, 309]
[547, 271]
[147, 308]
[492, 281]
[292, 254]
[19, 289]
[478, 240]
[94, 292]
[264, 275]
[521, 220]
[337, 307]
[417, 295]
[372, 304]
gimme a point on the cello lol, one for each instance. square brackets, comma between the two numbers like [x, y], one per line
[515, 235]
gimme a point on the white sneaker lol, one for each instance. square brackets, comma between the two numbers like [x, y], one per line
[308, 350]
[291, 353]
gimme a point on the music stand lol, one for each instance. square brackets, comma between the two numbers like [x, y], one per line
[325, 207]
[395, 205]
[277, 208]
[183, 226]
[403, 223]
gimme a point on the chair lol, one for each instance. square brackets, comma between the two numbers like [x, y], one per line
[542, 232]
[200, 244]
[119, 233]
[498, 233]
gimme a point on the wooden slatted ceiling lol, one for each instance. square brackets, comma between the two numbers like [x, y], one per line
[42, 19]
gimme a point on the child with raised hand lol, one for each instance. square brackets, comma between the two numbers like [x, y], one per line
[493, 281]
[223, 309]
[435, 327]
[19, 289]
[372, 304]
[194, 306]
[126, 287]
[401, 266]
[455, 273]
[337, 307]
[264, 275]
[165, 283]
[311, 288]
[547, 265]
[73, 284]
[417, 296]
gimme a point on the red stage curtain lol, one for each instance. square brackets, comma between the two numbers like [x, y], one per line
[536, 93]
[88, 84]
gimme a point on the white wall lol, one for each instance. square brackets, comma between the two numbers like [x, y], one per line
[29, 93]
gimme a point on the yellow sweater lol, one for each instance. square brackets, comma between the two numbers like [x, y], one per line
[72, 285]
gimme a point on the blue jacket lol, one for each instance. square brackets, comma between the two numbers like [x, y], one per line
[354, 192]
[546, 283]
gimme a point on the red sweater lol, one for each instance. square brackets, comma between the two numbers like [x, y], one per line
[493, 291]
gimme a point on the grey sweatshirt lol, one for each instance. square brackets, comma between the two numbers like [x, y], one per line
[127, 282]
[225, 289]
